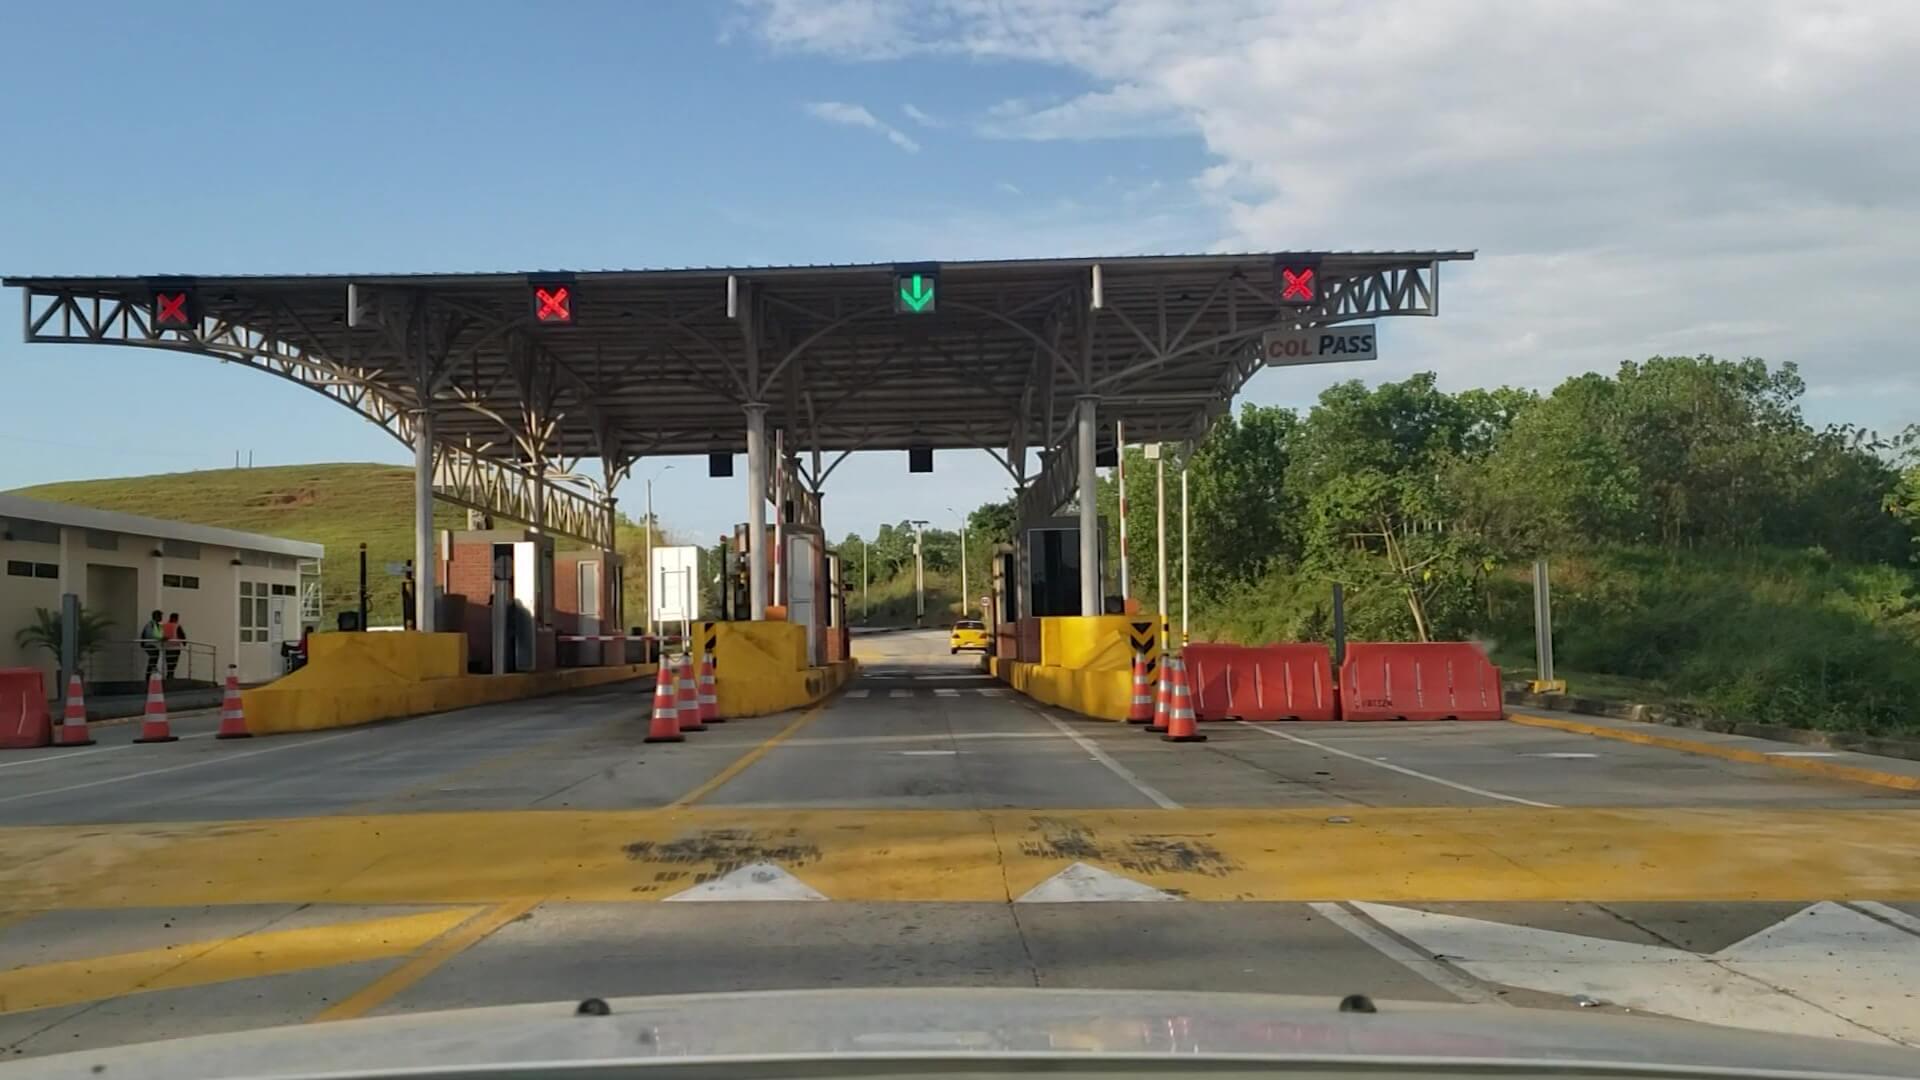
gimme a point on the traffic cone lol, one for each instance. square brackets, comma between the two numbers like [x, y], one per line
[665, 726]
[688, 695]
[233, 718]
[1180, 726]
[1140, 710]
[1162, 697]
[73, 723]
[154, 726]
[709, 693]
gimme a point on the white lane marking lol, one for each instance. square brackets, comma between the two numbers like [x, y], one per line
[754, 881]
[1154, 794]
[1080, 884]
[945, 691]
[1267, 729]
[899, 693]
[1819, 971]
[1889, 913]
[925, 753]
[1566, 755]
[211, 760]
[858, 693]
[991, 691]
[1801, 753]
[96, 750]
[1393, 949]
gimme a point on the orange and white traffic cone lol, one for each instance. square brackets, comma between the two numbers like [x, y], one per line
[665, 725]
[1162, 697]
[1140, 710]
[154, 726]
[233, 718]
[1180, 726]
[688, 696]
[709, 693]
[73, 723]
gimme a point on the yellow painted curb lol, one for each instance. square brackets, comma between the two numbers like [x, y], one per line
[1827, 769]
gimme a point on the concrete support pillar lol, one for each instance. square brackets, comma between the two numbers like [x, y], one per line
[423, 538]
[757, 510]
[1089, 510]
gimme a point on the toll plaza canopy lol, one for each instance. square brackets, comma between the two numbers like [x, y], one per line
[504, 383]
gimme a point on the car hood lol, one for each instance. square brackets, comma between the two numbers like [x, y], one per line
[863, 1031]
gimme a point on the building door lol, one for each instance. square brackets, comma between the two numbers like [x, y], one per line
[114, 591]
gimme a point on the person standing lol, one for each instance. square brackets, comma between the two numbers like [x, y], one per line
[175, 637]
[152, 637]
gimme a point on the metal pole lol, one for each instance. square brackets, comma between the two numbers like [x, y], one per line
[1542, 623]
[363, 586]
[964, 605]
[1339, 626]
[424, 618]
[1089, 513]
[1160, 533]
[1183, 554]
[866, 607]
[757, 511]
[648, 529]
[919, 575]
[779, 516]
[69, 638]
[1120, 482]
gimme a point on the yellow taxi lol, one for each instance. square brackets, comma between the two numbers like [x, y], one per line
[968, 634]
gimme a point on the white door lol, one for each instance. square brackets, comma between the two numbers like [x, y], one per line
[800, 608]
[589, 605]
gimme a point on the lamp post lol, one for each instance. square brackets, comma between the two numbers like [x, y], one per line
[647, 527]
[963, 560]
[919, 574]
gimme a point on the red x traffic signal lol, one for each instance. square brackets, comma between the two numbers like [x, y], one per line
[553, 303]
[1297, 279]
[175, 309]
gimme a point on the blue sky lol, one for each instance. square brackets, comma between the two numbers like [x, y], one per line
[348, 137]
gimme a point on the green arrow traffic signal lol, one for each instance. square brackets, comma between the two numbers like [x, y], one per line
[916, 292]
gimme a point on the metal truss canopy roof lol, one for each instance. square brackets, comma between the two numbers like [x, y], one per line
[658, 362]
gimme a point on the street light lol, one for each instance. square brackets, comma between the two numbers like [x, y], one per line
[648, 528]
[963, 559]
[919, 575]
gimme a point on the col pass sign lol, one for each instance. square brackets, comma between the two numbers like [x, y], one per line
[1320, 345]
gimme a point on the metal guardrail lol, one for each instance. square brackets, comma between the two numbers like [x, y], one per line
[123, 666]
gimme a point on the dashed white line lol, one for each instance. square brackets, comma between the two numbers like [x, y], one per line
[945, 691]
[858, 693]
[212, 760]
[95, 750]
[899, 694]
[1266, 729]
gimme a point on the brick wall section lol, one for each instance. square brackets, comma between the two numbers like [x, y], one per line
[470, 574]
[566, 592]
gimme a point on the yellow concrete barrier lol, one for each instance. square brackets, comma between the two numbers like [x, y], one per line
[761, 668]
[355, 679]
[1090, 642]
[1099, 694]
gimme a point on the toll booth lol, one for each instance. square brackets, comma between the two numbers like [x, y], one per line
[804, 582]
[1038, 576]
[587, 587]
[500, 591]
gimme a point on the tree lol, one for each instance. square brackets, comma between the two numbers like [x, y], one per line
[47, 629]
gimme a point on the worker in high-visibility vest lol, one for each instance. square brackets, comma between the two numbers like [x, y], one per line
[175, 637]
[152, 636]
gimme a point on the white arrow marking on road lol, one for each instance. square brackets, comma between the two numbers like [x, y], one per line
[754, 881]
[1818, 972]
[1081, 883]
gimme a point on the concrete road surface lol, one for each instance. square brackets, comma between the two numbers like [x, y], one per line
[929, 827]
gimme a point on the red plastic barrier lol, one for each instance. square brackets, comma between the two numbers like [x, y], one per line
[1440, 680]
[1291, 681]
[24, 723]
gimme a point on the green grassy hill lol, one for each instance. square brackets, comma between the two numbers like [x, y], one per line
[340, 506]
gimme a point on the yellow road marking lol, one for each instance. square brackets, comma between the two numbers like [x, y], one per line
[746, 761]
[469, 934]
[1829, 769]
[246, 956]
[1406, 855]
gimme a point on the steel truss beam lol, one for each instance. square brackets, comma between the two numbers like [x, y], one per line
[493, 487]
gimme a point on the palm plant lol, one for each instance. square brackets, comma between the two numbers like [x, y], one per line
[45, 631]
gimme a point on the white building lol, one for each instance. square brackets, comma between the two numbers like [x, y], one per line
[239, 594]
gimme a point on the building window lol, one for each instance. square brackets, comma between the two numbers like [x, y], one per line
[253, 612]
[283, 590]
[179, 581]
[253, 558]
[23, 568]
[180, 549]
[103, 541]
[33, 532]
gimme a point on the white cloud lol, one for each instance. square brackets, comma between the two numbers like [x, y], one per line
[920, 116]
[1737, 176]
[839, 112]
[1007, 188]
